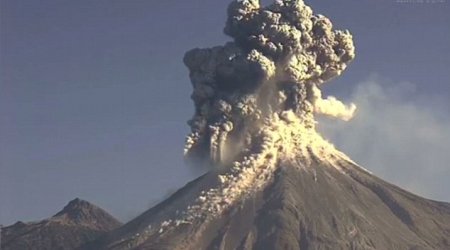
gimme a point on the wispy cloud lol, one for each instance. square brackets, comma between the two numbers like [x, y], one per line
[400, 134]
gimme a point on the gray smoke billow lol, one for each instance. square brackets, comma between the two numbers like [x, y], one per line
[279, 57]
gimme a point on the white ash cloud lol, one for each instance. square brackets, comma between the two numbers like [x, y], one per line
[332, 106]
[279, 57]
[400, 134]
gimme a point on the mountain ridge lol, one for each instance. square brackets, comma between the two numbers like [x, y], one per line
[77, 223]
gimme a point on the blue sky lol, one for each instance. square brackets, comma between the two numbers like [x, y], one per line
[94, 97]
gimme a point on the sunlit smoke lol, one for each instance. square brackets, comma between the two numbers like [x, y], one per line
[331, 106]
[279, 57]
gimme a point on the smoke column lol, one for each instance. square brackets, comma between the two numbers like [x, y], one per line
[272, 71]
[255, 99]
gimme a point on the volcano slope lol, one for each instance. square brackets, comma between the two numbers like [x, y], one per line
[302, 207]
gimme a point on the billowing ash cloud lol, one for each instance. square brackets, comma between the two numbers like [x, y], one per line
[279, 57]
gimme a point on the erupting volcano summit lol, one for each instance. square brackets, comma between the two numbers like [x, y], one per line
[274, 182]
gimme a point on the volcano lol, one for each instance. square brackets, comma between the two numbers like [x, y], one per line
[274, 182]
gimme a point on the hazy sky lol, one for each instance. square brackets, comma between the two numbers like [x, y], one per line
[94, 97]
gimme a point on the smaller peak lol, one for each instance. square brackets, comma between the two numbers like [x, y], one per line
[77, 209]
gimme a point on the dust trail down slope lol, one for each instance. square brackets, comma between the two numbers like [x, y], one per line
[315, 206]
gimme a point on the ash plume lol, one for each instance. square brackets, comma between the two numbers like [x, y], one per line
[267, 78]
[275, 182]
[255, 98]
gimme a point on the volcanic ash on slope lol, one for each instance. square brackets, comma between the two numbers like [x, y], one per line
[255, 98]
